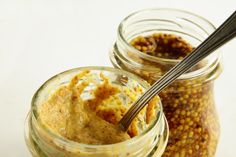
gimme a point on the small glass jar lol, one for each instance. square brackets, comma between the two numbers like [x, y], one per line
[42, 142]
[188, 103]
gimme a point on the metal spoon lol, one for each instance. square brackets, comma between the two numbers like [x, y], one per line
[222, 35]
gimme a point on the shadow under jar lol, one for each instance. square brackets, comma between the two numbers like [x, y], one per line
[149, 43]
[45, 142]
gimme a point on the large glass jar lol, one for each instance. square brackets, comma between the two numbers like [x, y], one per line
[43, 142]
[188, 103]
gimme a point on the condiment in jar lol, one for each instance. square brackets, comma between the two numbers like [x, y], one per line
[75, 114]
[150, 43]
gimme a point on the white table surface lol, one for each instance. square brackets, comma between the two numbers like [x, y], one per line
[39, 39]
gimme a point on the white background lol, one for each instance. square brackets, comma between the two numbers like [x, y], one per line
[39, 39]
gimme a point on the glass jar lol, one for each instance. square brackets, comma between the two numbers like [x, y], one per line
[42, 142]
[188, 103]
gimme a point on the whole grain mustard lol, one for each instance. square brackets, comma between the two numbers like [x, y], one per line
[188, 103]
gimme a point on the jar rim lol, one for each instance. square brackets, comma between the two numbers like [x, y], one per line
[72, 144]
[114, 54]
[202, 71]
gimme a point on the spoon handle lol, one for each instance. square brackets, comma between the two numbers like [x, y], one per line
[223, 34]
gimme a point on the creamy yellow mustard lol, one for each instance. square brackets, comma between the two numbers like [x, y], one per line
[93, 120]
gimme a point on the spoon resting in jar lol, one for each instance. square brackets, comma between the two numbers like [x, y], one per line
[219, 37]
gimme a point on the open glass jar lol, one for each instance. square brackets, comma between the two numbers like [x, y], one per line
[43, 142]
[188, 103]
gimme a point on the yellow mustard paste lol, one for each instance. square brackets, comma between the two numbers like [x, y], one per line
[92, 120]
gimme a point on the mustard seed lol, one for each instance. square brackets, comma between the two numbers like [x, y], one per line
[188, 104]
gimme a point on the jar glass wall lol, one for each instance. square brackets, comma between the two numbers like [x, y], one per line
[42, 142]
[188, 103]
